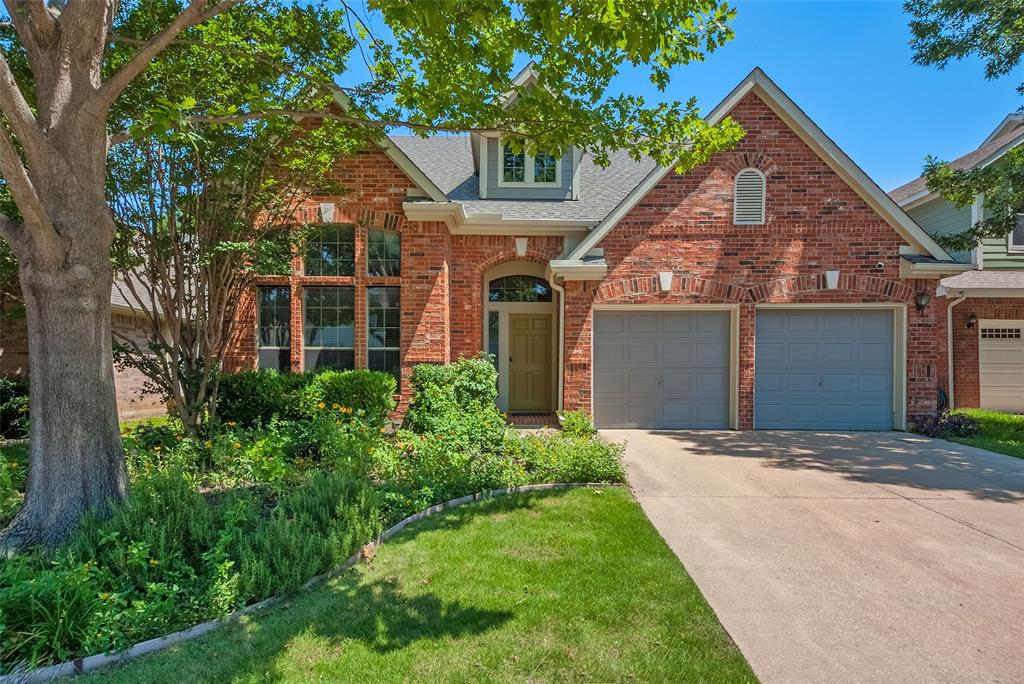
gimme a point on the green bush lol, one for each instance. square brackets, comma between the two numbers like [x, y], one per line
[561, 457]
[577, 424]
[252, 397]
[370, 394]
[13, 469]
[14, 414]
[457, 401]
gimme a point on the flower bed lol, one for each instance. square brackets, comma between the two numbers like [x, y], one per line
[250, 510]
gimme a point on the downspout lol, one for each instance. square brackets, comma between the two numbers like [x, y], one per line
[949, 345]
[561, 339]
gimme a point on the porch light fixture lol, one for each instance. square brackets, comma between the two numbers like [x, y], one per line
[521, 246]
[327, 212]
[921, 299]
[972, 321]
[831, 279]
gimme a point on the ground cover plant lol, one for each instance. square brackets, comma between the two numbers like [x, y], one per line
[269, 494]
[566, 586]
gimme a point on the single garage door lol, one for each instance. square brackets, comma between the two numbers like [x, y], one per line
[1001, 362]
[661, 369]
[823, 370]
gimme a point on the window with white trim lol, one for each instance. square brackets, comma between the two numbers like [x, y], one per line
[748, 198]
[328, 328]
[540, 169]
[274, 327]
[1016, 237]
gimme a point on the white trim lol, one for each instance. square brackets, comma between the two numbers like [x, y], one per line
[899, 348]
[577, 173]
[483, 168]
[736, 195]
[734, 345]
[949, 349]
[570, 269]
[529, 170]
[1011, 246]
[932, 270]
[460, 223]
[971, 292]
[999, 130]
[827, 150]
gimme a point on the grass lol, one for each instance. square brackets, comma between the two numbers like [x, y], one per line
[564, 586]
[1000, 432]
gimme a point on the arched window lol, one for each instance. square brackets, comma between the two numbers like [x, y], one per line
[519, 288]
[748, 197]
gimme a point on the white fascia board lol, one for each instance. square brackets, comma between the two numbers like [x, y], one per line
[1015, 292]
[574, 269]
[911, 270]
[917, 199]
[800, 123]
[461, 223]
[999, 130]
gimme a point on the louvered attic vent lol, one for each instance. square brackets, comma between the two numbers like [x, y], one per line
[748, 198]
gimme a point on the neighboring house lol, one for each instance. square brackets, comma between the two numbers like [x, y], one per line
[775, 286]
[125, 320]
[986, 319]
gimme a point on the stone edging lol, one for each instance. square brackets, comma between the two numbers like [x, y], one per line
[95, 662]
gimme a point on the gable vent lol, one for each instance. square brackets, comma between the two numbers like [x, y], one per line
[748, 198]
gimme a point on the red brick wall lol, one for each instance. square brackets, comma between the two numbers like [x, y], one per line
[966, 383]
[815, 223]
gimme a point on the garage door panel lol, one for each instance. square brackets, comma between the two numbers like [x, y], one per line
[823, 369]
[1001, 365]
[668, 369]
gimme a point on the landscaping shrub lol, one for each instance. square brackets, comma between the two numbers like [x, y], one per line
[577, 424]
[948, 424]
[252, 397]
[562, 457]
[14, 410]
[369, 394]
[13, 469]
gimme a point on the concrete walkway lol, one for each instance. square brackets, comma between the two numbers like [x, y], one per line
[871, 557]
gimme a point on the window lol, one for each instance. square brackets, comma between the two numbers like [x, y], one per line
[383, 253]
[748, 198]
[1017, 235]
[331, 252]
[383, 329]
[274, 327]
[540, 168]
[328, 329]
[519, 288]
[1000, 333]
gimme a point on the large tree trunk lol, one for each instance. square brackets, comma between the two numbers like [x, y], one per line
[76, 462]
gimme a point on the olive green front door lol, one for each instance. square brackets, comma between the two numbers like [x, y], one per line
[529, 363]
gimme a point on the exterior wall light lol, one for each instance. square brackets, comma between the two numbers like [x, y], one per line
[921, 299]
[972, 321]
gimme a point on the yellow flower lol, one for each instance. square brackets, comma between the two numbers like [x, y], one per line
[321, 404]
[99, 634]
[178, 437]
[347, 409]
[336, 406]
[153, 561]
[230, 423]
[337, 422]
[237, 445]
[105, 596]
[208, 444]
[156, 448]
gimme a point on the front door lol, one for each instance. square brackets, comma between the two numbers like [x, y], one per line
[529, 362]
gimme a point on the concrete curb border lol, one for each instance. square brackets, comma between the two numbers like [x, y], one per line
[101, 660]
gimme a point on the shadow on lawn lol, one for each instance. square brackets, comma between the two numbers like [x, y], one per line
[883, 458]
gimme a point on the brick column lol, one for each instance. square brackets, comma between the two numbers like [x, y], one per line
[747, 340]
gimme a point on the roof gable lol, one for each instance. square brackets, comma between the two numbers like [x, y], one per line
[762, 86]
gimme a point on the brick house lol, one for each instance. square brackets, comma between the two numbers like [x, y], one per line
[985, 320]
[775, 286]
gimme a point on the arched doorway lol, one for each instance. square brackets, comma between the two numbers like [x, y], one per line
[519, 331]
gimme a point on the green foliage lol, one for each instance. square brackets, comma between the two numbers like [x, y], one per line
[562, 457]
[948, 30]
[14, 409]
[253, 397]
[577, 424]
[366, 394]
[1000, 184]
[13, 470]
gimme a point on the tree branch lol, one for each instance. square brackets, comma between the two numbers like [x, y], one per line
[24, 193]
[19, 114]
[197, 12]
[32, 16]
[10, 232]
[125, 136]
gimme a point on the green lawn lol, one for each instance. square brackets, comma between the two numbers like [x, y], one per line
[1000, 432]
[563, 586]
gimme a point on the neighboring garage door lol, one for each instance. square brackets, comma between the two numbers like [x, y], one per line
[823, 369]
[1001, 362]
[661, 369]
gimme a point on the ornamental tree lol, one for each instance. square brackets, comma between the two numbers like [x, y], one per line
[80, 77]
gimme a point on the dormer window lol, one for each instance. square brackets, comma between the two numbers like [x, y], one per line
[748, 197]
[540, 169]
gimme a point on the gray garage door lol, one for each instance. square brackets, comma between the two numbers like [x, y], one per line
[661, 369]
[823, 370]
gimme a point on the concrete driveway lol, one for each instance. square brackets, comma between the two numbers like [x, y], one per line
[880, 557]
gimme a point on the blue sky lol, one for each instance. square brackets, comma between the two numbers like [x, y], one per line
[848, 65]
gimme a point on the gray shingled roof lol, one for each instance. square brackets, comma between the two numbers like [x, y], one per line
[968, 161]
[448, 162]
[985, 280]
[121, 296]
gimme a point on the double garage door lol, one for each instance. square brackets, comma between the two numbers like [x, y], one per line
[815, 369]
